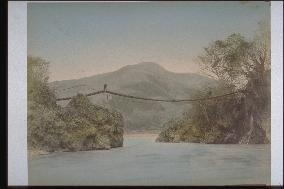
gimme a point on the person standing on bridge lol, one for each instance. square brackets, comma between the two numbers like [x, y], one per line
[105, 87]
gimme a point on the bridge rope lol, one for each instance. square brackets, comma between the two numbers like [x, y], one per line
[153, 99]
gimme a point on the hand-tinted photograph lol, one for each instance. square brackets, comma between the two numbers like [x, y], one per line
[149, 93]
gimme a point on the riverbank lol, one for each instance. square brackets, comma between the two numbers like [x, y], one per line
[153, 135]
[34, 153]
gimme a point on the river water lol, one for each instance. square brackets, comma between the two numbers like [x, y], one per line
[143, 162]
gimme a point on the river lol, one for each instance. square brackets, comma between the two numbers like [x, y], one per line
[143, 162]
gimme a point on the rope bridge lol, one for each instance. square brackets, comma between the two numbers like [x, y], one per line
[153, 99]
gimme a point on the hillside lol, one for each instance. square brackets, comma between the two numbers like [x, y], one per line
[230, 121]
[144, 79]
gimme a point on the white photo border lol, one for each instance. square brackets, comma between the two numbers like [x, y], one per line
[17, 93]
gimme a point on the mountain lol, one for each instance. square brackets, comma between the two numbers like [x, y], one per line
[145, 79]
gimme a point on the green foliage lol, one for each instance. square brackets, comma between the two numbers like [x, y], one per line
[37, 78]
[44, 125]
[237, 60]
[90, 126]
[242, 118]
[79, 126]
[45, 128]
[227, 60]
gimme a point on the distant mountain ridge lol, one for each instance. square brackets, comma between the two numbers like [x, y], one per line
[145, 79]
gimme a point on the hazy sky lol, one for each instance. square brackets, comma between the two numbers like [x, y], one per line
[87, 38]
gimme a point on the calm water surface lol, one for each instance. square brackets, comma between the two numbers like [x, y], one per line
[143, 162]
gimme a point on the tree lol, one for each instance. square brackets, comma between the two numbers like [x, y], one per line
[239, 63]
[79, 126]
[37, 82]
[227, 60]
[236, 60]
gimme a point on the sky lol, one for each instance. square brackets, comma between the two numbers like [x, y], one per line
[82, 39]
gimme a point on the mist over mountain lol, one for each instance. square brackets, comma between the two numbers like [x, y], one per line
[145, 79]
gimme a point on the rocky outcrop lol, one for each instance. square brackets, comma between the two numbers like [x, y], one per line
[179, 130]
[91, 127]
[185, 133]
[248, 130]
[81, 125]
[240, 119]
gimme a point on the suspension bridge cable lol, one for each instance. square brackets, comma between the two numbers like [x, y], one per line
[153, 99]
